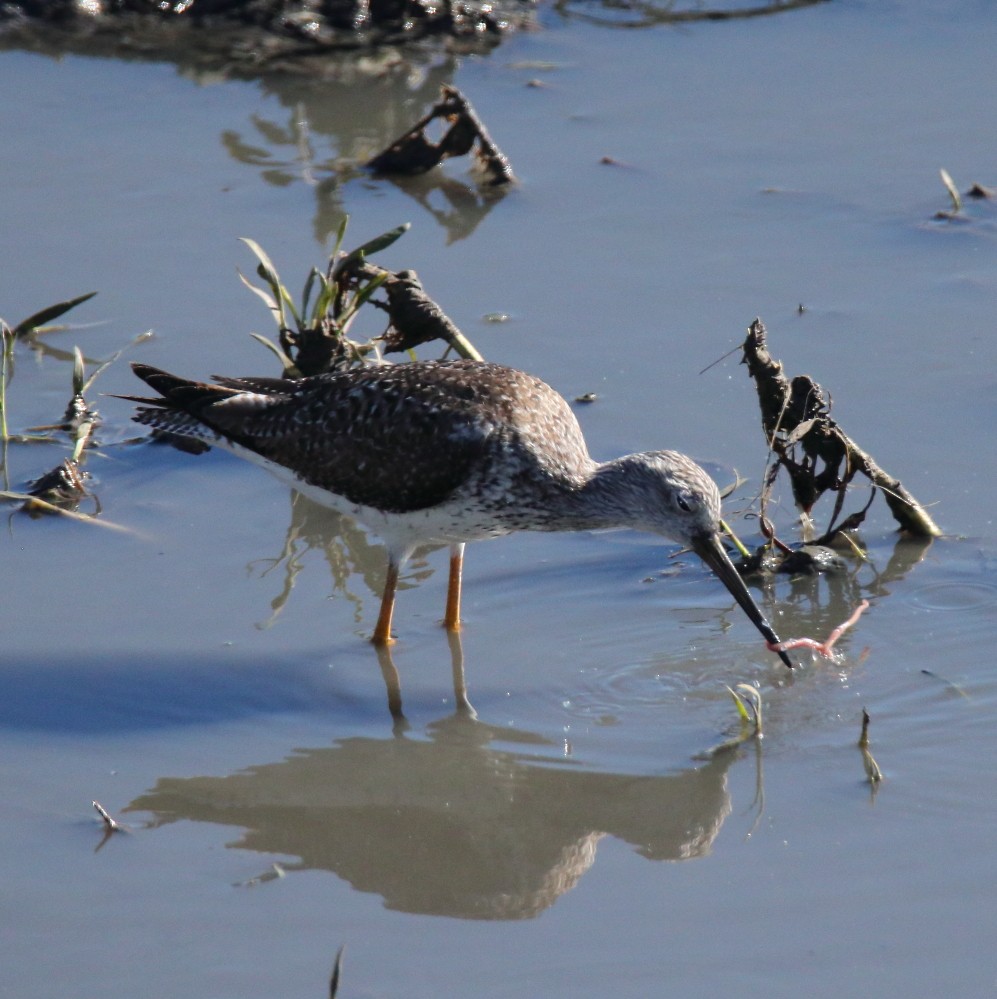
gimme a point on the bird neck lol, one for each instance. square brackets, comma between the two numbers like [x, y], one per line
[602, 500]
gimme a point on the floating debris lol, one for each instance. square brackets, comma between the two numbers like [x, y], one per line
[240, 37]
[275, 873]
[61, 486]
[949, 684]
[337, 970]
[110, 824]
[796, 418]
[415, 153]
[976, 191]
[872, 771]
[414, 317]
[952, 190]
[810, 560]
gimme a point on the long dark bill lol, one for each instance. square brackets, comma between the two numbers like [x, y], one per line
[712, 552]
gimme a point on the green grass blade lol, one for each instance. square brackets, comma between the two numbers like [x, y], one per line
[742, 711]
[81, 518]
[287, 364]
[752, 696]
[323, 302]
[361, 297]
[289, 303]
[268, 273]
[340, 236]
[735, 540]
[44, 316]
[83, 432]
[79, 372]
[375, 245]
[268, 299]
[306, 295]
[104, 365]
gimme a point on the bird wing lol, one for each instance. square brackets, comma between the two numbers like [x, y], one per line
[391, 437]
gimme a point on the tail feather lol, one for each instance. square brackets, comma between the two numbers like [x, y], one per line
[191, 409]
[173, 421]
[176, 412]
[162, 381]
[182, 393]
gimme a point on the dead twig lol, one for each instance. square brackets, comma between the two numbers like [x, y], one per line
[337, 970]
[795, 414]
[110, 825]
[414, 317]
[872, 771]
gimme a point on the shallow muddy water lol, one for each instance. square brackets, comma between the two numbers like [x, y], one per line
[205, 673]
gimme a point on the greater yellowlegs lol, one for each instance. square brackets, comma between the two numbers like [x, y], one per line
[446, 452]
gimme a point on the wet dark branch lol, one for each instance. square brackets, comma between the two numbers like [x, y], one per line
[414, 152]
[795, 414]
[414, 317]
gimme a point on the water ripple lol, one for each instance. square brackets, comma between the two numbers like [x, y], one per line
[954, 596]
[605, 693]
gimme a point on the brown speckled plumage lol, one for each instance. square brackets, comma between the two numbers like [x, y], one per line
[447, 451]
[400, 437]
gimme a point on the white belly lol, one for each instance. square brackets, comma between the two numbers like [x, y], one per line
[448, 523]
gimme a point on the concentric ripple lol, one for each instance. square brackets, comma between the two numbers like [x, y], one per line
[954, 596]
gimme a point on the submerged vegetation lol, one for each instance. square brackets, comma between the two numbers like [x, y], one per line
[414, 152]
[314, 336]
[976, 192]
[818, 456]
[63, 487]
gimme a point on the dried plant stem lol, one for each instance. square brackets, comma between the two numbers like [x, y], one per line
[6, 347]
[794, 413]
[872, 771]
[109, 823]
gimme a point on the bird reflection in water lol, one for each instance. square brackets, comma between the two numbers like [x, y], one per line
[462, 819]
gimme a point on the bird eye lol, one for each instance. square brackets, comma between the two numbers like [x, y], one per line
[684, 501]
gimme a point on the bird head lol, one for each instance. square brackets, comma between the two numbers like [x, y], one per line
[675, 497]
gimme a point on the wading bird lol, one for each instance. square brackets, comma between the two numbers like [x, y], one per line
[445, 452]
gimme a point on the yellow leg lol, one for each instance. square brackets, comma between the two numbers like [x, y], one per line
[451, 620]
[382, 631]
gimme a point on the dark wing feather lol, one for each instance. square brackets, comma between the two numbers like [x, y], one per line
[397, 437]
[255, 384]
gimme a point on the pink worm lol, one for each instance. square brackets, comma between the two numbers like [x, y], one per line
[824, 648]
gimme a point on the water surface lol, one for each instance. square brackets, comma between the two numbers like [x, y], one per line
[206, 676]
